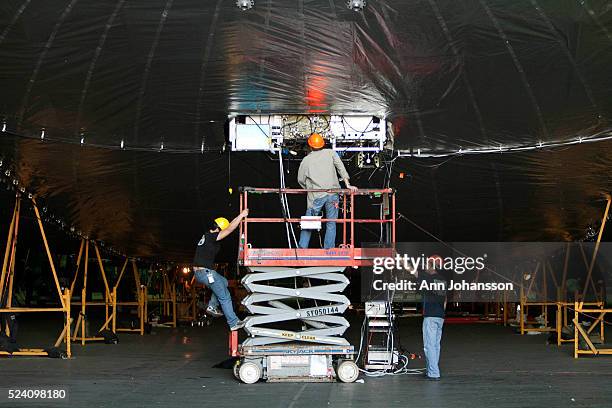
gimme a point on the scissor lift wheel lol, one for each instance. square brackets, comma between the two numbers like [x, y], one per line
[347, 371]
[249, 373]
[236, 369]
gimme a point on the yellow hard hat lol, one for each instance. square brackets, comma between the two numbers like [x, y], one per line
[316, 141]
[222, 223]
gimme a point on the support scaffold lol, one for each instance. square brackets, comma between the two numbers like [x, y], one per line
[7, 279]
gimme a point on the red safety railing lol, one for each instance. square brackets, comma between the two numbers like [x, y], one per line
[347, 254]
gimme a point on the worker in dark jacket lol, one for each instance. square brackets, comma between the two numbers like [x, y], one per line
[433, 288]
[204, 272]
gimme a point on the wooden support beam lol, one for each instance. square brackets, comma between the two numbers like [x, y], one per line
[7, 251]
[121, 273]
[78, 263]
[102, 272]
[585, 336]
[601, 230]
[12, 260]
[48, 251]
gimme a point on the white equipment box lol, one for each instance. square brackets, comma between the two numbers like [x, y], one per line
[346, 133]
[310, 222]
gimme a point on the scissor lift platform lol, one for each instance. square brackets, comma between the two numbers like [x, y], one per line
[314, 299]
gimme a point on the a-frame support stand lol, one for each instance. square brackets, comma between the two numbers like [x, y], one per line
[140, 302]
[80, 327]
[8, 276]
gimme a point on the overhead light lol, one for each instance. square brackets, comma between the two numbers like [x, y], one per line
[245, 4]
[356, 5]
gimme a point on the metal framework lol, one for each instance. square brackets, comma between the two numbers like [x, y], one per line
[580, 309]
[7, 278]
[187, 301]
[580, 333]
[139, 302]
[166, 299]
[562, 305]
[80, 330]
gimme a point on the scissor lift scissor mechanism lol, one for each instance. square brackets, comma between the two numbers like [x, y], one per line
[308, 298]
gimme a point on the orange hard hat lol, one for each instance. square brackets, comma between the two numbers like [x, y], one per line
[316, 141]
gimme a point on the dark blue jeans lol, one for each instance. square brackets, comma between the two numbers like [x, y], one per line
[330, 203]
[220, 293]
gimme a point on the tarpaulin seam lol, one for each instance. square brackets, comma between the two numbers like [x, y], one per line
[434, 184]
[332, 6]
[455, 51]
[14, 20]
[261, 61]
[145, 76]
[411, 102]
[565, 49]
[203, 68]
[518, 66]
[593, 15]
[41, 58]
[94, 61]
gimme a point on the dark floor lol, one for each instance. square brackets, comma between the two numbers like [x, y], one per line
[482, 366]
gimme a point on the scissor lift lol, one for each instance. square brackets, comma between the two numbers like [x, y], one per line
[308, 346]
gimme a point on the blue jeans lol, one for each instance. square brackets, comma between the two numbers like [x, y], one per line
[330, 203]
[220, 293]
[432, 334]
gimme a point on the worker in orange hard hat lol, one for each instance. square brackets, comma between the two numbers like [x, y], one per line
[320, 170]
[204, 272]
[316, 141]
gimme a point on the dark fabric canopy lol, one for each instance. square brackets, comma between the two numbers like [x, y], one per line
[110, 82]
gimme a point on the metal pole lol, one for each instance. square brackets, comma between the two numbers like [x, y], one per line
[78, 264]
[101, 269]
[246, 227]
[67, 296]
[393, 218]
[44, 237]
[121, 273]
[344, 219]
[84, 294]
[114, 302]
[11, 270]
[352, 220]
[8, 248]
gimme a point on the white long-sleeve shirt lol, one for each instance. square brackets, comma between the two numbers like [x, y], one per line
[320, 170]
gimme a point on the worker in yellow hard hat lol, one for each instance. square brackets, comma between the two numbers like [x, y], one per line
[204, 272]
[320, 169]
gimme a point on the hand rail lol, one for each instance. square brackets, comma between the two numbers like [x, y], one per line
[347, 219]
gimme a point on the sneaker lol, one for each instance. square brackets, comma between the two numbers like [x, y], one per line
[213, 311]
[237, 326]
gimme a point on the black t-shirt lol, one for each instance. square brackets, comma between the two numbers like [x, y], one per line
[207, 250]
[433, 300]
